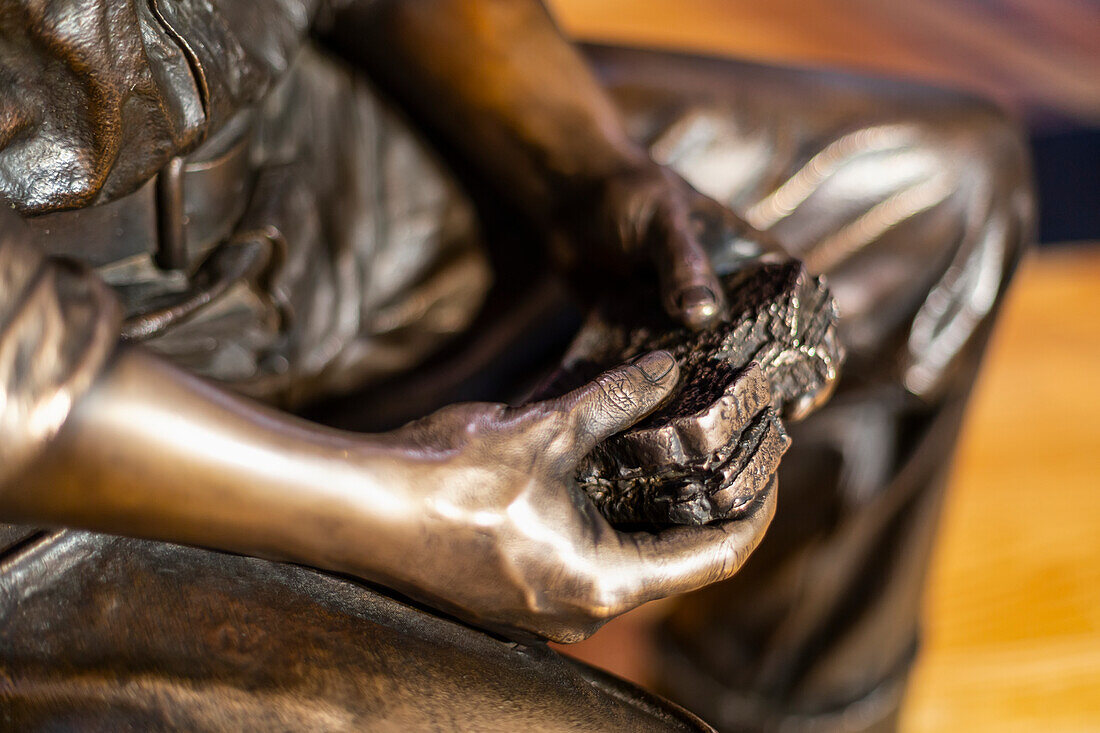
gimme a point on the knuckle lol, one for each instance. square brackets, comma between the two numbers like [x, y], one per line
[553, 432]
[618, 395]
[540, 420]
[602, 598]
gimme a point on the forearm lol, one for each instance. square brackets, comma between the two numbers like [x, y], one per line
[152, 452]
[497, 82]
[473, 509]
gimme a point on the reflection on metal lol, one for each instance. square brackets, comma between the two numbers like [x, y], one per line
[876, 221]
[782, 202]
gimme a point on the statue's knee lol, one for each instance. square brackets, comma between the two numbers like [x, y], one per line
[989, 150]
[992, 208]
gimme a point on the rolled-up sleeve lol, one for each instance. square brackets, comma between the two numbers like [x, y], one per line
[58, 326]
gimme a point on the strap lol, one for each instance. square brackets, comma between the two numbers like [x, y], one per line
[190, 206]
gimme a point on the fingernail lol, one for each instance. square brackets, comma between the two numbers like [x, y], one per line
[655, 365]
[697, 305]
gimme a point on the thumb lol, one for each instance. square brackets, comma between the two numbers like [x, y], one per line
[618, 398]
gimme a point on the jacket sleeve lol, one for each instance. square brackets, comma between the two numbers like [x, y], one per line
[58, 326]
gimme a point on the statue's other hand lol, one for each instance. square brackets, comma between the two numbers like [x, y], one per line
[510, 542]
[652, 217]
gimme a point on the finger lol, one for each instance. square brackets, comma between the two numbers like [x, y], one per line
[682, 559]
[618, 398]
[691, 291]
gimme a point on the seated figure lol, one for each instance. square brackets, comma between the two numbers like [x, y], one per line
[221, 217]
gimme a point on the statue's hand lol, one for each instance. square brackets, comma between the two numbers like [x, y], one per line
[509, 541]
[653, 217]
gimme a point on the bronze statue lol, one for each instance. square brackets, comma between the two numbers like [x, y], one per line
[304, 203]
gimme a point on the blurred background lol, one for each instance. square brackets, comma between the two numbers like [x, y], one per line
[1012, 633]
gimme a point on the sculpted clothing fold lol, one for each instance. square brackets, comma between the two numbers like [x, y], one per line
[110, 90]
[372, 251]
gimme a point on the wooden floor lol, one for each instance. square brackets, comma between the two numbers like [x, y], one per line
[1014, 603]
[1013, 609]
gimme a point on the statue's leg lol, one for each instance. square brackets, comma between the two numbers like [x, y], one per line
[916, 204]
[106, 633]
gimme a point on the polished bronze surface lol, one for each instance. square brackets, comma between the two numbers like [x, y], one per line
[353, 256]
[223, 642]
[490, 485]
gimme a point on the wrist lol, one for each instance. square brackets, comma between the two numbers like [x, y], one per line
[607, 224]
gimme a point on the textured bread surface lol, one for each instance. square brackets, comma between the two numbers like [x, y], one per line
[716, 442]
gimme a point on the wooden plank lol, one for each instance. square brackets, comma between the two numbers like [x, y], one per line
[1014, 603]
